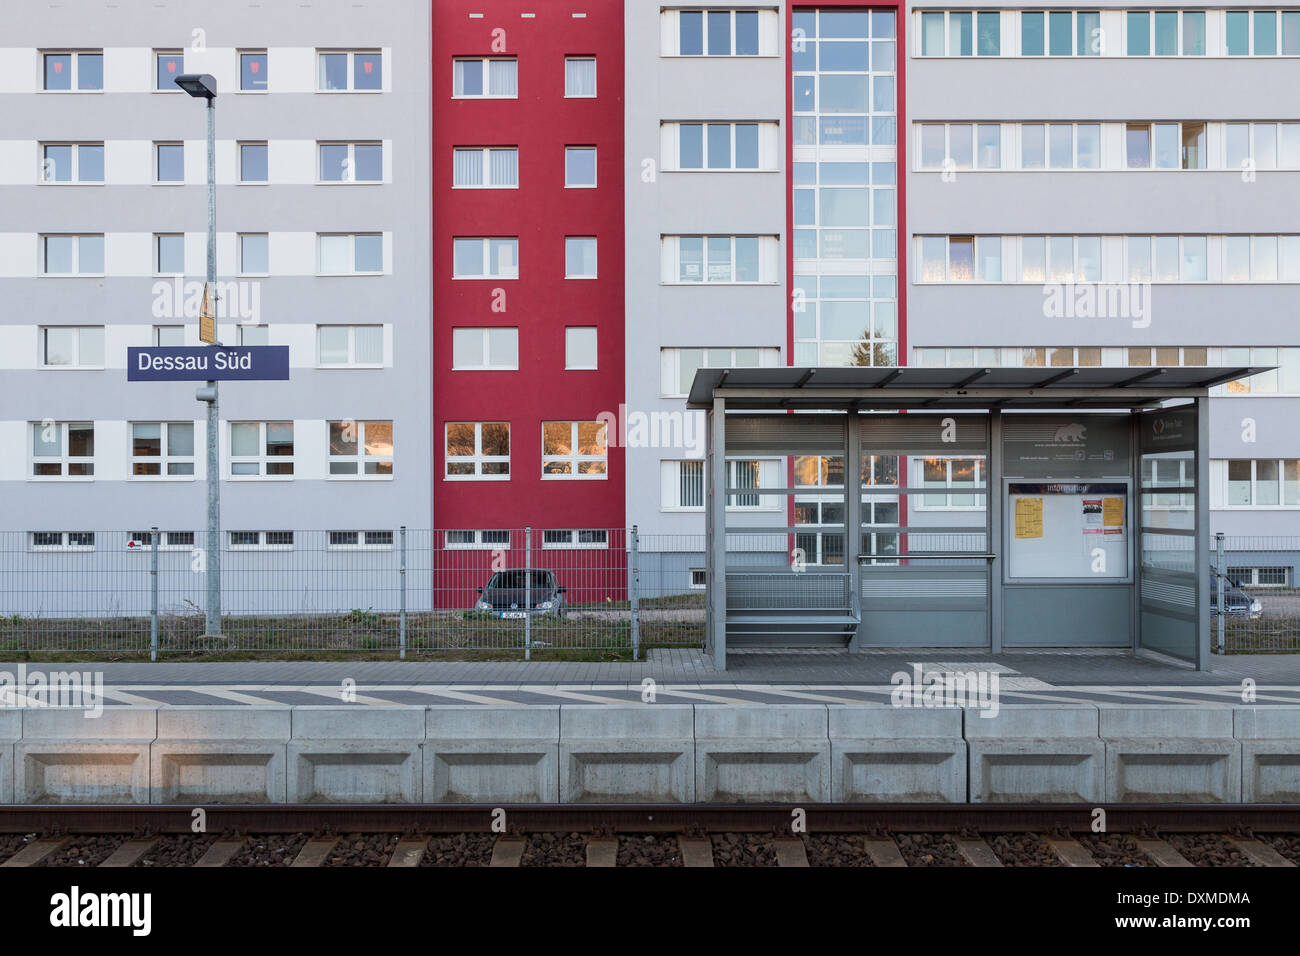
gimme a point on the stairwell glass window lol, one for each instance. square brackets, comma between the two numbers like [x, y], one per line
[350, 346]
[574, 450]
[477, 450]
[579, 77]
[63, 450]
[65, 346]
[351, 162]
[73, 72]
[261, 450]
[162, 449]
[580, 167]
[359, 254]
[488, 78]
[717, 32]
[352, 71]
[72, 255]
[361, 449]
[485, 168]
[169, 254]
[485, 258]
[168, 64]
[485, 349]
[72, 163]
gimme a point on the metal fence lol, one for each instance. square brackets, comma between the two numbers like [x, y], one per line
[1258, 576]
[404, 591]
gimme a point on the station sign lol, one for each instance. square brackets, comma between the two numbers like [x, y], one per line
[183, 363]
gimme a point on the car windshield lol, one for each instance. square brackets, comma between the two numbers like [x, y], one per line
[517, 580]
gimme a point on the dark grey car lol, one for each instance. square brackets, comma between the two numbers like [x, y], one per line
[1236, 602]
[509, 594]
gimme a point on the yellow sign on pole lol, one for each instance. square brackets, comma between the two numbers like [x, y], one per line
[207, 318]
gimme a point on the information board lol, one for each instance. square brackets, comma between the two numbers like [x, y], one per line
[1067, 530]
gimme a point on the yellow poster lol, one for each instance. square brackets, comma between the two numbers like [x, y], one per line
[1029, 517]
[207, 318]
[1113, 512]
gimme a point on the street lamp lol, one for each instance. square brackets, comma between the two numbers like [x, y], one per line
[204, 86]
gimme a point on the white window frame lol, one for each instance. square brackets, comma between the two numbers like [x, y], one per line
[239, 69]
[704, 579]
[478, 459]
[478, 543]
[486, 242]
[674, 27]
[263, 542]
[576, 275]
[158, 237]
[360, 458]
[488, 365]
[574, 459]
[66, 542]
[158, 54]
[1047, 53]
[64, 460]
[949, 490]
[1255, 482]
[671, 134]
[156, 335]
[362, 542]
[569, 364]
[670, 363]
[671, 260]
[595, 167]
[351, 53]
[485, 160]
[75, 152]
[350, 179]
[243, 269]
[239, 158]
[487, 78]
[1213, 19]
[254, 333]
[76, 346]
[579, 59]
[573, 541]
[157, 165]
[919, 27]
[164, 459]
[352, 346]
[261, 459]
[352, 252]
[76, 238]
[166, 544]
[75, 61]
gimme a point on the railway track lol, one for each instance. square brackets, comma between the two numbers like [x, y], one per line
[667, 836]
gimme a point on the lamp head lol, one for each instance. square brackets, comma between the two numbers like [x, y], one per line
[201, 85]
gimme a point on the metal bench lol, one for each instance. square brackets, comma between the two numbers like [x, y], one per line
[784, 609]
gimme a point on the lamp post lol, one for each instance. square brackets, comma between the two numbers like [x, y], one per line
[204, 86]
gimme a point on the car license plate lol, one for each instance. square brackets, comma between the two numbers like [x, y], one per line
[514, 614]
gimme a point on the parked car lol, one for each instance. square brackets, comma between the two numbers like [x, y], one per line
[509, 595]
[1236, 602]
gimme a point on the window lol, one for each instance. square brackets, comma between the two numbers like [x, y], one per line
[252, 71]
[168, 64]
[72, 163]
[579, 257]
[1269, 577]
[962, 33]
[574, 450]
[678, 366]
[351, 72]
[485, 258]
[253, 162]
[353, 346]
[478, 450]
[726, 259]
[718, 146]
[169, 254]
[484, 349]
[485, 168]
[72, 255]
[361, 449]
[254, 335]
[62, 540]
[579, 76]
[63, 449]
[260, 540]
[576, 538]
[77, 72]
[162, 449]
[168, 540]
[1167, 32]
[475, 540]
[351, 162]
[168, 335]
[683, 485]
[1060, 33]
[254, 254]
[69, 346]
[699, 579]
[580, 347]
[360, 540]
[261, 449]
[717, 32]
[968, 259]
[1263, 483]
[960, 474]
[492, 78]
[360, 254]
[169, 162]
[579, 167]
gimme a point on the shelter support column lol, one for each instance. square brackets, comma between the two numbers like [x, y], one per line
[717, 532]
[1201, 460]
[995, 518]
[853, 512]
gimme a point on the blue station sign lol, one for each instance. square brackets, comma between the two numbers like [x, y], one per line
[242, 363]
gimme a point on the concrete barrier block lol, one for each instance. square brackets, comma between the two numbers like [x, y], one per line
[206, 755]
[771, 753]
[494, 755]
[356, 754]
[1270, 753]
[1035, 754]
[73, 756]
[11, 729]
[642, 753]
[1157, 753]
[885, 754]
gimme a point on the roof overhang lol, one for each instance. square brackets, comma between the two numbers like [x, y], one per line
[886, 388]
